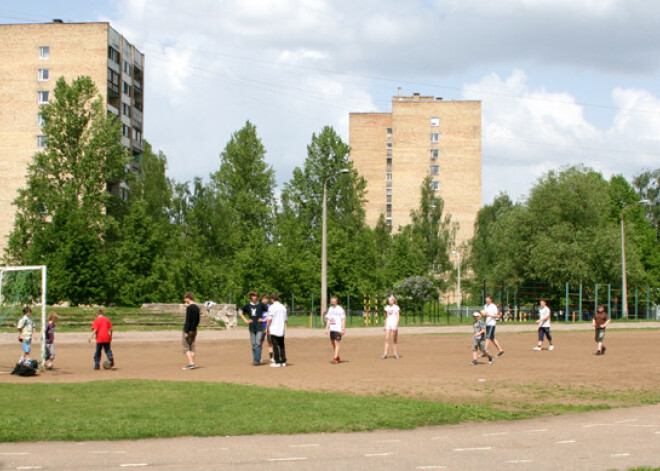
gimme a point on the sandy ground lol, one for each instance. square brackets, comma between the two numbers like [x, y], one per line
[435, 362]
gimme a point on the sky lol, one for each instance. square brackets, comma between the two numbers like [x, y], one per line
[562, 82]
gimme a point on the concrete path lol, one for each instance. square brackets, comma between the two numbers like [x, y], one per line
[603, 440]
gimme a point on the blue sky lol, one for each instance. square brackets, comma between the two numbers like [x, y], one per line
[561, 81]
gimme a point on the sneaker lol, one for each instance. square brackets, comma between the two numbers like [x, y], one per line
[282, 365]
[256, 363]
[483, 355]
[272, 360]
[189, 367]
[490, 359]
[474, 363]
[384, 357]
[537, 348]
[397, 356]
[500, 353]
[335, 361]
[604, 348]
[97, 367]
[551, 347]
[112, 362]
[597, 352]
[275, 365]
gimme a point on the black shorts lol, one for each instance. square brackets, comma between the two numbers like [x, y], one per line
[335, 335]
[490, 332]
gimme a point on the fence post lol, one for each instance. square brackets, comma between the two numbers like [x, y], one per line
[348, 309]
[580, 304]
[636, 299]
[567, 303]
[596, 298]
[313, 314]
[648, 299]
[609, 300]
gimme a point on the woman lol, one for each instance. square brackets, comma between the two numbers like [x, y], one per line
[391, 326]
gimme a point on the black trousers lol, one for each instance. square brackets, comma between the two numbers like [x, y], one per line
[278, 349]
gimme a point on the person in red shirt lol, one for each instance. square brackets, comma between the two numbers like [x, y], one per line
[102, 330]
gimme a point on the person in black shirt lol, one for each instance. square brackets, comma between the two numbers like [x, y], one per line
[190, 329]
[254, 309]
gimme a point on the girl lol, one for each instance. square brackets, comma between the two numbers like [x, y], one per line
[391, 326]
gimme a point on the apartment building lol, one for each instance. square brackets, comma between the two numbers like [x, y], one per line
[32, 58]
[422, 136]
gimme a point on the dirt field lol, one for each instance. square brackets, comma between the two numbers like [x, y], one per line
[433, 366]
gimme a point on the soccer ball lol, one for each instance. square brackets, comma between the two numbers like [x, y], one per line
[107, 364]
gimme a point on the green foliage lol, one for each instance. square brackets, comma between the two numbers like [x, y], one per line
[647, 185]
[416, 288]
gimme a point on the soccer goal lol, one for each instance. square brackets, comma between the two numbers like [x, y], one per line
[20, 287]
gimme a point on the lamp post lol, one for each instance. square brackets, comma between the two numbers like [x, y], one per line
[458, 284]
[324, 242]
[624, 277]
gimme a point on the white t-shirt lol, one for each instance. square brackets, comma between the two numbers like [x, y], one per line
[392, 310]
[392, 317]
[334, 316]
[277, 316]
[544, 312]
[492, 310]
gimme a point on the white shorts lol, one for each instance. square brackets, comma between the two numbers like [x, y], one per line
[391, 323]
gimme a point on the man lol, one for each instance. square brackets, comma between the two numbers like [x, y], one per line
[492, 313]
[600, 322]
[190, 329]
[25, 333]
[102, 330]
[544, 325]
[255, 309]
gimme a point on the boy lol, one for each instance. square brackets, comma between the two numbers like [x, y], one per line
[492, 314]
[544, 325]
[25, 331]
[102, 330]
[275, 324]
[190, 329]
[479, 339]
[50, 339]
[254, 309]
[336, 325]
[600, 322]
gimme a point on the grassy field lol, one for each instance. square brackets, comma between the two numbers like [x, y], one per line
[131, 409]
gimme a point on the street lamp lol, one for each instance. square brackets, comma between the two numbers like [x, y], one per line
[624, 278]
[458, 285]
[324, 242]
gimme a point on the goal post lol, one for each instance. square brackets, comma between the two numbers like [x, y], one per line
[44, 281]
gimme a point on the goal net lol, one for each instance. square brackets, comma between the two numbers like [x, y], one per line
[21, 287]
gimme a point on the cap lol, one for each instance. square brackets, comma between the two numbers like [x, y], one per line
[476, 314]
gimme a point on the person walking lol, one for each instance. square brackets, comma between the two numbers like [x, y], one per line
[102, 331]
[254, 309]
[492, 314]
[600, 322]
[190, 330]
[335, 326]
[391, 327]
[275, 325]
[50, 340]
[544, 325]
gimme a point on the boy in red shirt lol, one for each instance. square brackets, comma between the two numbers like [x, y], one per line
[102, 330]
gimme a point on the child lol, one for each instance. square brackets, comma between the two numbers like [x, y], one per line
[600, 322]
[102, 330]
[479, 339]
[275, 326]
[264, 319]
[391, 326]
[544, 325]
[25, 331]
[336, 325]
[50, 339]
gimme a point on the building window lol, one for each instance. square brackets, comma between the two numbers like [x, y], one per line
[389, 131]
[42, 97]
[41, 141]
[435, 169]
[389, 211]
[435, 122]
[435, 153]
[126, 131]
[388, 221]
[40, 120]
[113, 54]
[435, 137]
[435, 186]
[44, 52]
[126, 109]
[388, 176]
[389, 145]
[127, 88]
[43, 75]
[389, 164]
[127, 68]
[137, 135]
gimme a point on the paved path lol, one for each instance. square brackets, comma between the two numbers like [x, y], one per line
[602, 440]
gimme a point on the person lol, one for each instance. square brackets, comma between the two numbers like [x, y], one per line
[492, 314]
[50, 340]
[335, 326]
[391, 326]
[479, 339]
[25, 332]
[275, 325]
[102, 330]
[600, 322]
[544, 325]
[255, 310]
[190, 330]
[264, 321]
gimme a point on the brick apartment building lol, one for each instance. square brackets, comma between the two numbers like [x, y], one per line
[422, 136]
[32, 58]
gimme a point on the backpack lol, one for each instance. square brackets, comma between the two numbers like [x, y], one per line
[24, 370]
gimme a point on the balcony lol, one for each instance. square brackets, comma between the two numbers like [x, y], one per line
[137, 145]
[137, 117]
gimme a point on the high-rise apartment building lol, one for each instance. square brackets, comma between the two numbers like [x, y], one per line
[32, 58]
[422, 136]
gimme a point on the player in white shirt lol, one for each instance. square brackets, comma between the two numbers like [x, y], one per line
[335, 325]
[391, 326]
[544, 325]
[275, 325]
[492, 314]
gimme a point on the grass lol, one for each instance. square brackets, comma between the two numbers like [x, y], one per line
[133, 409]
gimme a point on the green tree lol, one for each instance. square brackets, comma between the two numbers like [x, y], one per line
[63, 217]
[647, 185]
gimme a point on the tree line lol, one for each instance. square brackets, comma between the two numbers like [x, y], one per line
[230, 232]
